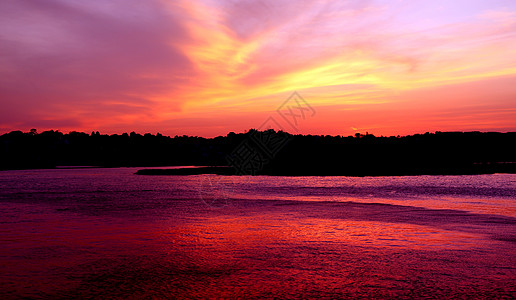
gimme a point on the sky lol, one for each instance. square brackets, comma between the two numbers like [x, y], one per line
[208, 67]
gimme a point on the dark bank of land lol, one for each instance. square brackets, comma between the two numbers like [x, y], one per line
[225, 170]
[267, 153]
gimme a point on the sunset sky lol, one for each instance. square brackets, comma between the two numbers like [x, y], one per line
[207, 67]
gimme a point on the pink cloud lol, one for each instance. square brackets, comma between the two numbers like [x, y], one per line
[61, 58]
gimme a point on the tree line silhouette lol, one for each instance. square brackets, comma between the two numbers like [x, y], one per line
[269, 152]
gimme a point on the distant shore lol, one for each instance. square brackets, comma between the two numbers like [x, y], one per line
[267, 153]
[188, 171]
[509, 168]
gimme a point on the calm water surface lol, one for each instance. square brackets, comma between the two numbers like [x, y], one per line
[108, 233]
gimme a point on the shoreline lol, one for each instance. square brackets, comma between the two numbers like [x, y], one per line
[230, 171]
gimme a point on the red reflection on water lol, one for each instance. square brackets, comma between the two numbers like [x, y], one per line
[248, 254]
[133, 244]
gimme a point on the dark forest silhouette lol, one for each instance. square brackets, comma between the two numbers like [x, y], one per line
[359, 155]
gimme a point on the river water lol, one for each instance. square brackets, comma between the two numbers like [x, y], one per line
[107, 233]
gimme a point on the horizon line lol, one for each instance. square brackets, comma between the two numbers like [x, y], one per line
[251, 129]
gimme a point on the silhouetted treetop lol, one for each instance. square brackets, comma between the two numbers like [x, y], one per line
[362, 154]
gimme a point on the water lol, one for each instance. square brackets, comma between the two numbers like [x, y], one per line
[108, 233]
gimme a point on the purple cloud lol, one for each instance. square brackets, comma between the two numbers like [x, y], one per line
[58, 57]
